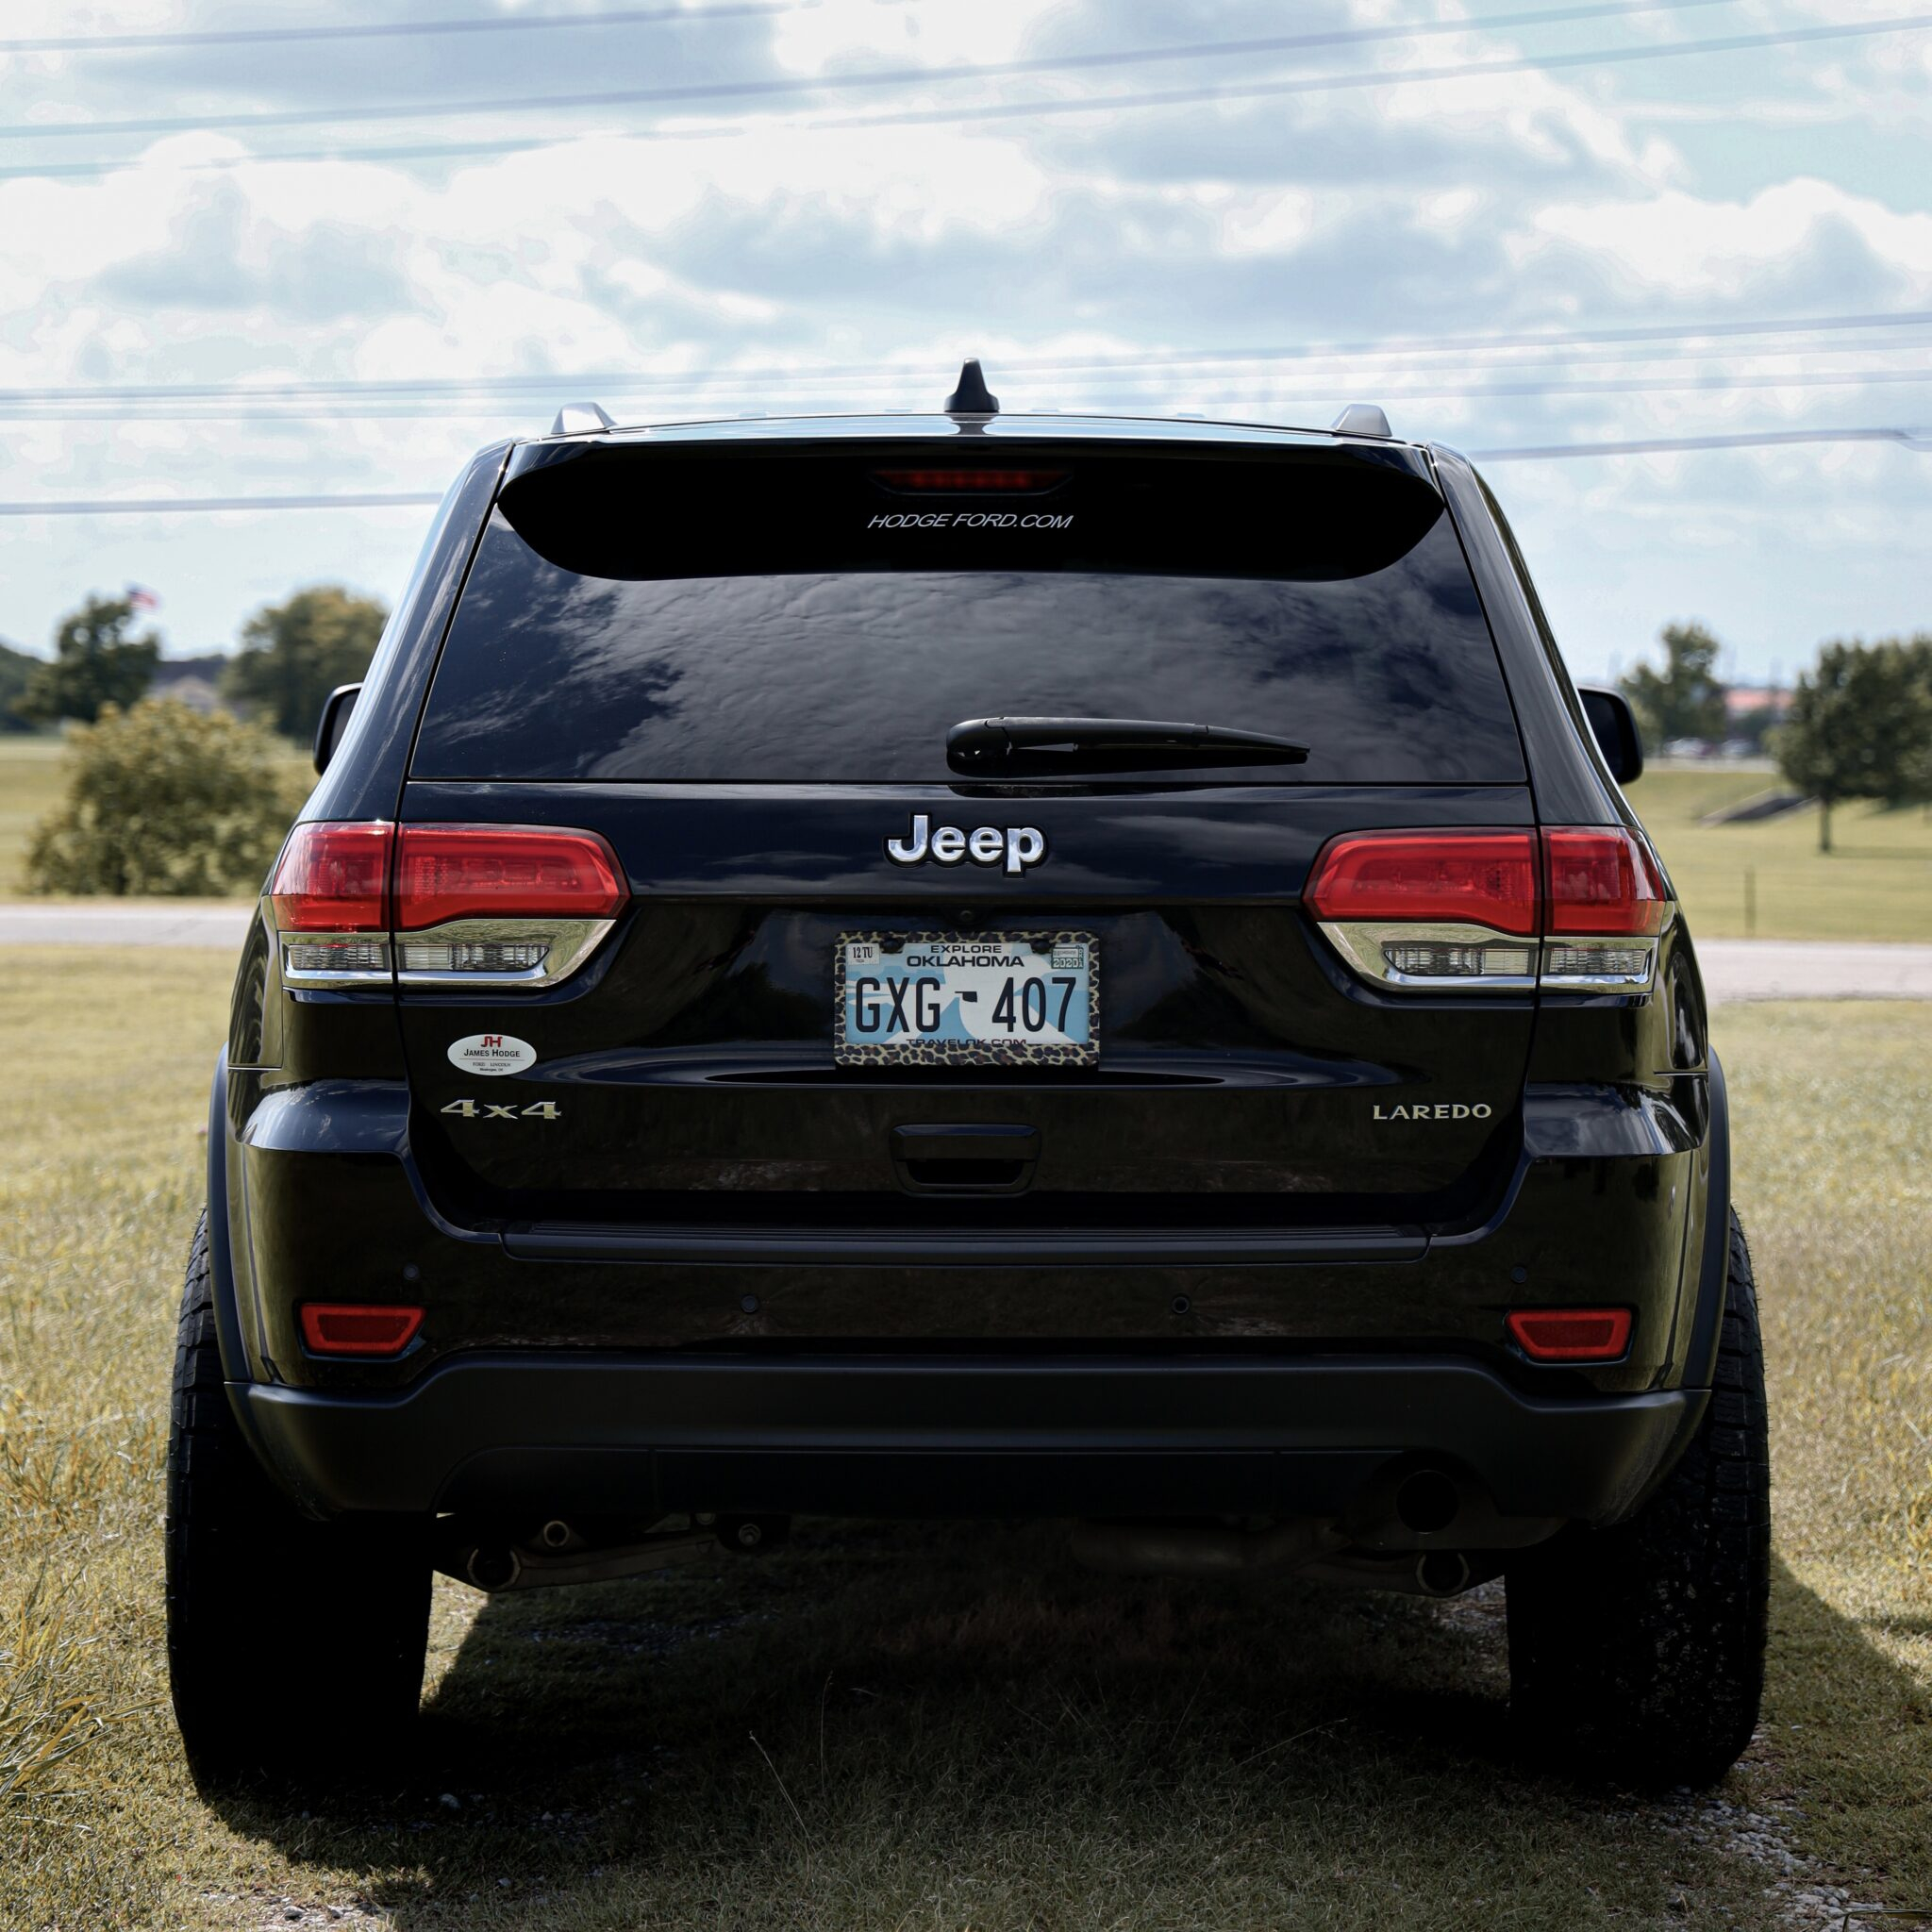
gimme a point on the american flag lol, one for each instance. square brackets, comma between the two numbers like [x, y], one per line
[142, 599]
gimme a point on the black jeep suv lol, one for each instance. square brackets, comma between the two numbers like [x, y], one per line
[971, 966]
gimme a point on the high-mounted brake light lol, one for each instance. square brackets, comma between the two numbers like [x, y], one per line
[963, 482]
[443, 904]
[1575, 909]
[1569, 1335]
[358, 1329]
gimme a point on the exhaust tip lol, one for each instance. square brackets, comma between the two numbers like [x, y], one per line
[492, 1567]
[1443, 1573]
[1427, 1501]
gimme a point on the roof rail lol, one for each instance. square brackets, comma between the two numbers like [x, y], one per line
[578, 419]
[1361, 419]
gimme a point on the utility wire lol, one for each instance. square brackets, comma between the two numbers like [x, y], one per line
[171, 505]
[485, 408]
[475, 24]
[835, 83]
[989, 111]
[1675, 336]
[1911, 438]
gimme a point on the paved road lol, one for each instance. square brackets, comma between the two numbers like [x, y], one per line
[1814, 969]
[141, 922]
[1733, 969]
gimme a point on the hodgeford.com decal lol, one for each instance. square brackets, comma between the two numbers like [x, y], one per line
[970, 520]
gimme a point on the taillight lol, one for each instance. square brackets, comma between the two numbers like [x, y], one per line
[443, 904]
[1495, 911]
[1606, 904]
[330, 896]
[1569, 1335]
[358, 1329]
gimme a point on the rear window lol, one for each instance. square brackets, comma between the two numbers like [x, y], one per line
[827, 619]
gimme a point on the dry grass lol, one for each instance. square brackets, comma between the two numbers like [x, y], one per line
[893, 1726]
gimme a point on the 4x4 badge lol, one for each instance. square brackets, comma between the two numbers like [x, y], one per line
[1016, 847]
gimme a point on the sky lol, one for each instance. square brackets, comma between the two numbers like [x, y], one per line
[235, 268]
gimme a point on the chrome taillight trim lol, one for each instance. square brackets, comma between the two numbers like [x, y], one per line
[1362, 943]
[1603, 943]
[304, 976]
[571, 942]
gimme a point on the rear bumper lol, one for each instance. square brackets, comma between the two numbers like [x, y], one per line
[504, 1435]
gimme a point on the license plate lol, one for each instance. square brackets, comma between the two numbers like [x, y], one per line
[999, 999]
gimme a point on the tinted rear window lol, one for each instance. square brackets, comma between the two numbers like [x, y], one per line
[803, 621]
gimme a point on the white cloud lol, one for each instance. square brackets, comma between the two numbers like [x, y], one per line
[1691, 248]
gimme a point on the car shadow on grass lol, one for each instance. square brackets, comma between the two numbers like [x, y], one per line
[888, 1723]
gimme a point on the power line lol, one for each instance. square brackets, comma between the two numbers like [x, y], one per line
[993, 111]
[1676, 337]
[170, 506]
[165, 505]
[1909, 439]
[1306, 84]
[838, 83]
[485, 408]
[480, 24]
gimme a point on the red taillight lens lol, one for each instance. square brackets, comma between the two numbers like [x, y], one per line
[1602, 879]
[521, 872]
[1571, 1335]
[1461, 878]
[334, 878]
[358, 1329]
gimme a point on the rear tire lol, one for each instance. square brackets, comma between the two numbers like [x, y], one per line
[294, 1648]
[1637, 1652]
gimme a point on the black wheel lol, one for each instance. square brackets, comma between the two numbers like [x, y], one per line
[1638, 1652]
[294, 1648]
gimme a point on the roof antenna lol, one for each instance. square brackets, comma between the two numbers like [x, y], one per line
[973, 398]
[1361, 419]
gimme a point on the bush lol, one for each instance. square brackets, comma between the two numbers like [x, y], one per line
[162, 800]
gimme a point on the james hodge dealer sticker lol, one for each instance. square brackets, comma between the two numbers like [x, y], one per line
[491, 1053]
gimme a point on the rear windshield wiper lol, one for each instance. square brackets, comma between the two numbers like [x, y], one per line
[1010, 747]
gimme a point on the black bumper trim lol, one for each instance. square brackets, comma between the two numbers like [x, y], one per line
[953, 1436]
[966, 1247]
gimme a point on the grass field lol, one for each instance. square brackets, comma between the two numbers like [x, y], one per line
[892, 1728]
[1877, 884]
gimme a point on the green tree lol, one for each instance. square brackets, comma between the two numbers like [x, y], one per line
[1859, 725]
[163, 800]
[96, 661]
[16, 672]
[1684, 699]
[293, 655]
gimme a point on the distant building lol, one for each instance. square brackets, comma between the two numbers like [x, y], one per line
[1752, 710]
[191, 681]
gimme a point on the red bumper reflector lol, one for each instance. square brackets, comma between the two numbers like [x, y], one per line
[358, 1329]
[1571, 1335]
